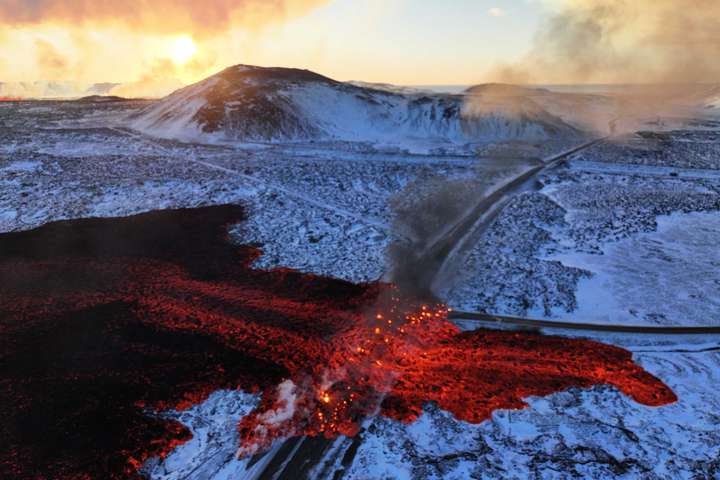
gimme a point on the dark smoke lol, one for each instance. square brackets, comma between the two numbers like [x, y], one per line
[424, 214]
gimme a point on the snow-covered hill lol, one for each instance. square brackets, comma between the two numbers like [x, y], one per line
[255, 104]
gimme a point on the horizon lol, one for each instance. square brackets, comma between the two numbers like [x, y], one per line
[359, 239]
[448, 88]
[153, 49]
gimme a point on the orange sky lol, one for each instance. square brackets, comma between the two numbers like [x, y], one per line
[399, 41]
[156, 44]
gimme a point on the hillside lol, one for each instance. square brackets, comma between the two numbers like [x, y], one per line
[255, 104]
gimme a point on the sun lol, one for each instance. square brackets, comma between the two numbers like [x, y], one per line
[182, 50]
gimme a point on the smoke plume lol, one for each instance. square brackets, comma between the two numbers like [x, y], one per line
[621, 41]
[161, 78]
[670, 48]
[425, 215]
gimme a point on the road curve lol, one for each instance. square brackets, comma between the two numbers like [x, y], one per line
[318, 457]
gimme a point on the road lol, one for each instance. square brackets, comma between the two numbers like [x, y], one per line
[434, 265]
[298, 458]
[498, 320]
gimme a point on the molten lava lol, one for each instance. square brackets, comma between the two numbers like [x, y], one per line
[104, 321]
[412, 355]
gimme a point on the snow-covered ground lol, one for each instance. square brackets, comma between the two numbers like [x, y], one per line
[670, 276]
[320, 208]
[618, 223]
[544, 245]
[246, 103]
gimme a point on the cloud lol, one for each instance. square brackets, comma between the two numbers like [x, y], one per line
[50, 60]
[638, 41]
[496, 12]
[127, 40]
[158, 16]
[673, 52]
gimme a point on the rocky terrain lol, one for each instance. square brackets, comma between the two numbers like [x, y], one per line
[620, 221]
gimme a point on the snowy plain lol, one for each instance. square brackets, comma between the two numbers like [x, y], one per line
[328, 209]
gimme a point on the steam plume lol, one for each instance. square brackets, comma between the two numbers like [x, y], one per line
[621, 41]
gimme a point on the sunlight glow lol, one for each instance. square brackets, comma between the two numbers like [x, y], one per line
[183, 50]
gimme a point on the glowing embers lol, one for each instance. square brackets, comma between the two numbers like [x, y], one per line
[410, 355]
[361, 365]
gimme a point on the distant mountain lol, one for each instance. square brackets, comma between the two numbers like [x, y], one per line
[256, 104]
[101, 99]
[101, 88]
[40, 89]
[62, 90]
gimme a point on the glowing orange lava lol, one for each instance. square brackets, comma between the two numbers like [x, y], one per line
[103, 321]
[411, 354]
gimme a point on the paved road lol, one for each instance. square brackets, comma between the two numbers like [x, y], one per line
[298, 458]
[433, 265]
[488, 319]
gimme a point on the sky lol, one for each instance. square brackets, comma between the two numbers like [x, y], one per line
[156, 45]
[410, 42]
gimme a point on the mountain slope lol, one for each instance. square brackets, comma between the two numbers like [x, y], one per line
[255, 104]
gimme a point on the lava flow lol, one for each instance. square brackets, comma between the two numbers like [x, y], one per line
[105, 321]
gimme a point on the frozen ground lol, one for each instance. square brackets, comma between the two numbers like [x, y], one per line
[670, 276]
[694, 148]
[317, 207]
[616, 213]
[581, 212]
